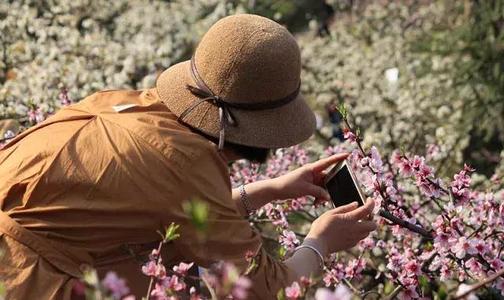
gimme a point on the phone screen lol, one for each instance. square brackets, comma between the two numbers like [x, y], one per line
[342, 188]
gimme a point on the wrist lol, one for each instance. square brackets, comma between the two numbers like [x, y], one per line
[275, 187]
[318, 243]
[262, 192]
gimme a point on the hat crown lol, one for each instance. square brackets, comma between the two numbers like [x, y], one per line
[248, 58]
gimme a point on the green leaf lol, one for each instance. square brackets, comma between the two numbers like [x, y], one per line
[197, 210]
[252, 265]
[342, 110]
[171, 233]
[282, 252]
[2, 290]
[424, 281]
[281, 294]
[441, 293]
[388, 288]
[403, 150]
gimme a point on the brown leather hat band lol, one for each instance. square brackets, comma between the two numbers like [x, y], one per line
[226, 117]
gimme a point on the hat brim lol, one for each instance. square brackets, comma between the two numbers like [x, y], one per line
[279, 127]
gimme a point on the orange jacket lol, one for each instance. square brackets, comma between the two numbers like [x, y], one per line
[95, 182]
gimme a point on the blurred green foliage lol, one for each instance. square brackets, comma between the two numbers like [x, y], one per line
[474, 35]
[295, 14]
[197, 211]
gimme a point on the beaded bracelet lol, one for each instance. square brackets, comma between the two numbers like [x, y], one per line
[245, 200]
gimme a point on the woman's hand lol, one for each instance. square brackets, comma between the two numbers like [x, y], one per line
[343, 227]
[306, 180]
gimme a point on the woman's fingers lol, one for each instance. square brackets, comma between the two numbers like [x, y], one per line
[325, 163]
[318, 192]
[361, 212]
[366, 226]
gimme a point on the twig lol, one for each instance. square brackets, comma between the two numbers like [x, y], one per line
[480, 284]
[394, 293]
[387, 215]
[151, 282]
[209, 287]
[354, 290]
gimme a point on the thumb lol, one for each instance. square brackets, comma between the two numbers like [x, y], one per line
[346, 208]
[363, 211]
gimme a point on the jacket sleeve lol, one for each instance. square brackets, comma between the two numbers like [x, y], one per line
[227, 236]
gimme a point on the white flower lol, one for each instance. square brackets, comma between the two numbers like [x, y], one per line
[392, 75]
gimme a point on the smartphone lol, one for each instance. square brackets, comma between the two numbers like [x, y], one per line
[342, 185]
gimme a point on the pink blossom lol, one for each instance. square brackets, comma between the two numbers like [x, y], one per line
[408, 293]
[295, 205]
[79, 288]
[276, 214]
[182, 268]
[117, 286]
[340, 293]
[193, 294]
[412, 268]
[424, 171]
[63, 97]
[225, 278]
[159, 291]
[355, 267]
[349, 135]
[499, 285]
[473, 265]
[150, 268]
[240, 288]
[433, 150]
[36, 115]
[173, 283]
[154, 254]
[160, 271]
[9, 134]
[460, 185]
[376, 162]
[293, 291]
[463, 247]
[497, 264]
[405, 168]
[417, 162]
[481, 247]
[154, 268]
[364, 162]
[445, 273]
[335, 274]
[367, 244]
[289, 240]
[305, 281]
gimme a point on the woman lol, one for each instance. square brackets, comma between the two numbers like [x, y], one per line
[92, 185]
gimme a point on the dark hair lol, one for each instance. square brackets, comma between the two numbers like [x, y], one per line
[253, 154]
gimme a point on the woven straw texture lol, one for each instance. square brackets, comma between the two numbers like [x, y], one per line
[244, 59]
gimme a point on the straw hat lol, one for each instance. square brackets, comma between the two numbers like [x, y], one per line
[241, 85]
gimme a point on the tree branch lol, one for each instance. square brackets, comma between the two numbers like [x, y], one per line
[480, 284]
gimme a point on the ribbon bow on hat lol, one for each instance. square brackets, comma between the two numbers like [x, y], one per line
[226, 117]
